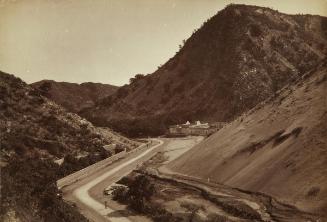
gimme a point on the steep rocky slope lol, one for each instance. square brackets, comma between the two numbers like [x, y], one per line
[238, 58]
[278, 147]
[74, 97]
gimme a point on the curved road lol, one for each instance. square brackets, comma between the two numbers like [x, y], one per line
[87, 193]
[81, 193]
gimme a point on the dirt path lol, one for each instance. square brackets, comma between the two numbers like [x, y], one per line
[234, 202]
[269, 208]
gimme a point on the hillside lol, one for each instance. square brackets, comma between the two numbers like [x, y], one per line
[238, 58]
[74, 97]
[34, 133]
[278, 147]
[43, 127]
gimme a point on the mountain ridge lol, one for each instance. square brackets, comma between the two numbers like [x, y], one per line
[238, 58]
[45, 128]
[74, 96]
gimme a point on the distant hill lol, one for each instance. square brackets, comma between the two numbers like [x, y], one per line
[74, 97]
[32, 125]
[238, 58]
[278, 147]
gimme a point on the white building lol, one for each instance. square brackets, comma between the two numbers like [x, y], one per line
[198, 128]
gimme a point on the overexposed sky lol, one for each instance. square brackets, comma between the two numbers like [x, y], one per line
[106, 41]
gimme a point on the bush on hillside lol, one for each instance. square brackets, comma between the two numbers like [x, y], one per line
[255, 30]
[136, 78]
[29, 185]
[122, 92]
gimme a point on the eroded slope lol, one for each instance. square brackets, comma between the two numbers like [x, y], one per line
[278, 148]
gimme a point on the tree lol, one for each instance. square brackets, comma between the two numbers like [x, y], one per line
[46, 86]
[140, 190]
[136, 78]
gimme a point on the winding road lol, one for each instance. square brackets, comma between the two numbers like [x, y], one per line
[87, 193]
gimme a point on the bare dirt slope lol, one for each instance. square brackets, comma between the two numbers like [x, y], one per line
[278, 148]
[183, 198]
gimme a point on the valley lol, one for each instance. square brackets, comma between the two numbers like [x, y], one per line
[235, 60]
[231, 128]
[180, 196]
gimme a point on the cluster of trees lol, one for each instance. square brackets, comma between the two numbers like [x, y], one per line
[29, 185]
[136, 78]
[140, 190]
[149, 126]
[138, 197]
[139, 127]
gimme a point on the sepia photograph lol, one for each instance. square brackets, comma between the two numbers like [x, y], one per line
[163, 110]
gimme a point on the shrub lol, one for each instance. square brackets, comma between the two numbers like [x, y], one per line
[255, 30]
[141, 188]
[120, 194]
[313, 192]
[119, 148]
[46, 86]
[122, 92]
[125, 181]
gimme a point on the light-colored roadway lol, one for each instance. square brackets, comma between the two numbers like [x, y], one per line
[82, 192]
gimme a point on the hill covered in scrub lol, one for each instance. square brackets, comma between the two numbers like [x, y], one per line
[238, 58]
[35, 131]
[34, 125]
[278, 147]
[74, 97]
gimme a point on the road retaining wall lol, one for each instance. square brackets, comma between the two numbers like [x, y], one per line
[81, 174]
